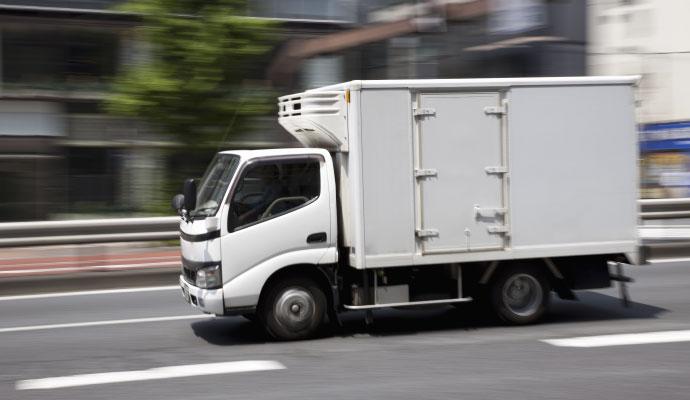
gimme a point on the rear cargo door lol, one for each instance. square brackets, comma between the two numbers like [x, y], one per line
[460, 172]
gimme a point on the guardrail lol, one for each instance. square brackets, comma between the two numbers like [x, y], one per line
[41, 233]
[665, 208]
[665, 243]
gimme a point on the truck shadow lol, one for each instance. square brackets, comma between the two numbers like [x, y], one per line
[229, 331]
[598, 307]
[592, 307]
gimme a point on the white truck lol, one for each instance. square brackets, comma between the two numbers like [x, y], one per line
[419, 192]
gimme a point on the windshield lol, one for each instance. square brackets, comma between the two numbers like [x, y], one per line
[214, 184]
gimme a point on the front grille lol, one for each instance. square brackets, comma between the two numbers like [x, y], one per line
[189, 275]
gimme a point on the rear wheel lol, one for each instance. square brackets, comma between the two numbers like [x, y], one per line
[293, 309]
[520, 295]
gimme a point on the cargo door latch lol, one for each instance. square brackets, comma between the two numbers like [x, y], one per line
[424, 112]
[498, 229]
[426, 233]
[425, 173]
[489, 211]
[496, 170]
[495, 110]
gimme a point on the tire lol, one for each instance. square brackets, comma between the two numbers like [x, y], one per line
[520, 295]
[293, 309]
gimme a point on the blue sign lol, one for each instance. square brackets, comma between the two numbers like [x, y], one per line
[665, 136]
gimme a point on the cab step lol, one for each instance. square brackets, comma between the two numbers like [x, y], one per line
[406, 304]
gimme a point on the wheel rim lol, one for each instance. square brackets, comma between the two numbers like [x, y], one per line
[294, 308]
[522, 294]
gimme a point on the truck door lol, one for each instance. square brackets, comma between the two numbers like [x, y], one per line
[460, 172]
[279, 206]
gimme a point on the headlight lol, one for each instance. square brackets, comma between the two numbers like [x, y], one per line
[209, 277]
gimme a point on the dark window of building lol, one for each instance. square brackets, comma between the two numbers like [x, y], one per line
[92, 176]
[58, 60]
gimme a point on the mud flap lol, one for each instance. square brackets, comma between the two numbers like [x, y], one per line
[622, 282]
[333, 314]
[560, 286]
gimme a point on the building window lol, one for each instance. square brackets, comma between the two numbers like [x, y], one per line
[58, 59]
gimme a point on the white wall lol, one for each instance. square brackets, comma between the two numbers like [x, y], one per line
[650, 38]
[31, 118]
[322, 71]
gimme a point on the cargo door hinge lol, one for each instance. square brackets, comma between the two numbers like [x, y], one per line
[495, 110]
[425, 173]
[424, 112]
[426, 233]
[498, 229]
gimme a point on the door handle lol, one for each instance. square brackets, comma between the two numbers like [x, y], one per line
[317, 237]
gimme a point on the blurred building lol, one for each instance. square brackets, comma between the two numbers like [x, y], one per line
[60, 154]
[650, 38]
[55, 63]
[444, 39]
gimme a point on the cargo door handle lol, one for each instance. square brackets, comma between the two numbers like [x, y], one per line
[317, 237]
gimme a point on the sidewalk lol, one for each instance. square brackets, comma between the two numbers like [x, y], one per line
[34, 270]
[65, 260]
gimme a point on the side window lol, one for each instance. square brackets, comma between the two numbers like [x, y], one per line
[271, 189]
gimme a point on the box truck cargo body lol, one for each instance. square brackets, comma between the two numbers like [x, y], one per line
[424, 192]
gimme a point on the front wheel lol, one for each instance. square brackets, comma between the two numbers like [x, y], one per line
[293, 309]
[520, 295]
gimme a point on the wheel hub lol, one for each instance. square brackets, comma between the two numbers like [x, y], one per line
[294, 308]
[522, 294]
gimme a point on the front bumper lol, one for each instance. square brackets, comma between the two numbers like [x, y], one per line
[208, 301]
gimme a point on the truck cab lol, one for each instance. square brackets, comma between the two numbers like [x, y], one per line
[256, 212]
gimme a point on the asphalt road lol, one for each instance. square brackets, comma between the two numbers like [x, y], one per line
[442, 353]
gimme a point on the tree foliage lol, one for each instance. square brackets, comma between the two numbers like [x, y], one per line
[200, 75]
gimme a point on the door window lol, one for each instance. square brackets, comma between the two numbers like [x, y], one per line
[270, 189]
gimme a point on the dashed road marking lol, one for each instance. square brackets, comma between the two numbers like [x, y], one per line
[178, 371]
[625, 339]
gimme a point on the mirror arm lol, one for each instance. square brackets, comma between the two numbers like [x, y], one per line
[186, 216]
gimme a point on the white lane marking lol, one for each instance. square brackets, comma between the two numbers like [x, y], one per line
[88, 267]
[178, 371]
[76, 260]
[622, 339]
[89, 292]
[100, 323]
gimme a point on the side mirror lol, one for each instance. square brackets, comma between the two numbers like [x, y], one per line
[189, 192]
[178, 202]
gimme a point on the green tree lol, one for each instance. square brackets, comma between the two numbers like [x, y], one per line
[200, 79]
